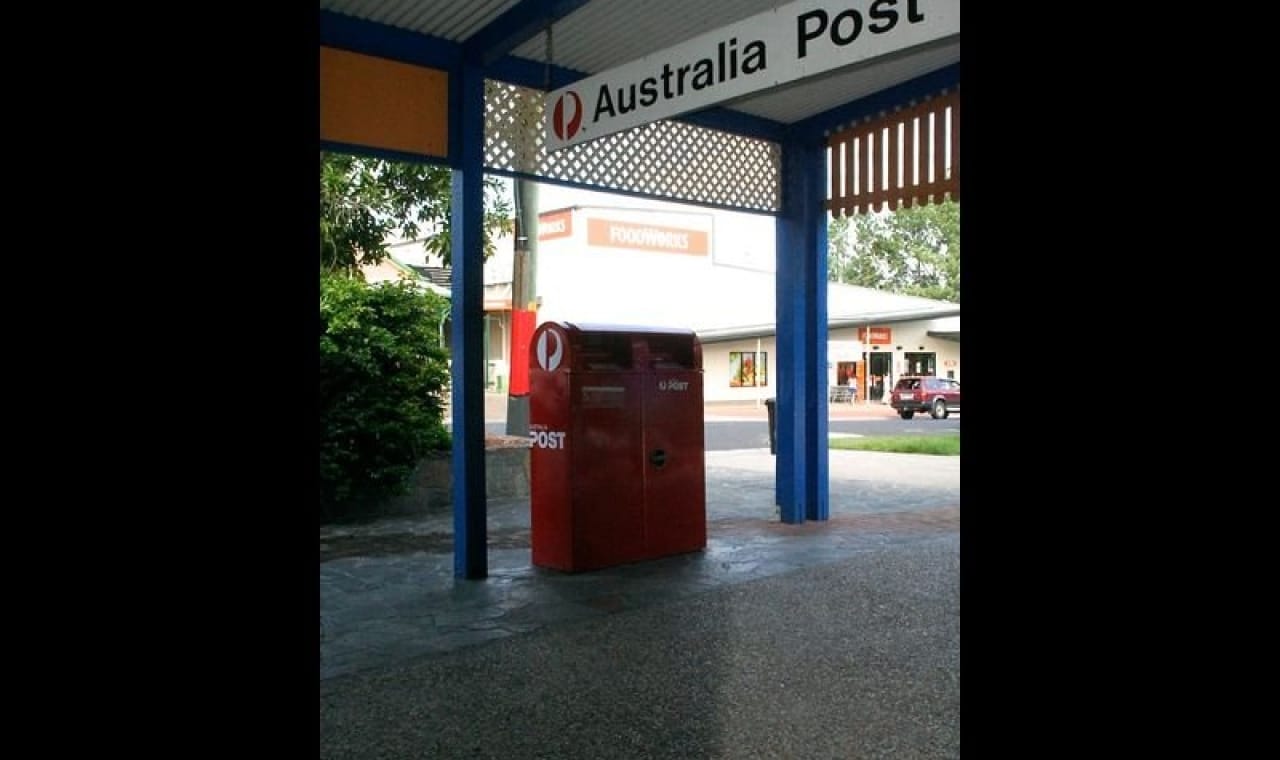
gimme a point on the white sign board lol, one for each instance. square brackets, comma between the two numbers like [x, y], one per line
[788, 43]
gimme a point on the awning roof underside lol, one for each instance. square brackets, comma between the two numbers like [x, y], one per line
[589, 36]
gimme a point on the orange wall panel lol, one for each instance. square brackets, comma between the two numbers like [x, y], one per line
[385, 104]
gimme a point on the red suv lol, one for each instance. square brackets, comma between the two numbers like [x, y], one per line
[939, 396]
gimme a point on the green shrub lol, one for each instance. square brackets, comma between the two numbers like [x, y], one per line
[383, 376]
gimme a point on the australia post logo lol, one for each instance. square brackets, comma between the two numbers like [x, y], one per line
[566, 117]
[550, 350]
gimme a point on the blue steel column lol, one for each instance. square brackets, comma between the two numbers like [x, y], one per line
[813, 220]
[802, 465]
[466, 138]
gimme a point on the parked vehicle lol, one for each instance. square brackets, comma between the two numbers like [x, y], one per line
[939, 396]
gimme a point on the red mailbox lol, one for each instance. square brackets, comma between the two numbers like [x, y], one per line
[617, 470]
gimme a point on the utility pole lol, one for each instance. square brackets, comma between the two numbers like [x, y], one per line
[524, 304]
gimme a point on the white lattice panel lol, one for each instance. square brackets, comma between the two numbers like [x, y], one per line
[666, 159]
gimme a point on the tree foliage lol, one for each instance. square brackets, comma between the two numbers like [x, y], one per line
[383, 374]
[364, 201]
[914, 251]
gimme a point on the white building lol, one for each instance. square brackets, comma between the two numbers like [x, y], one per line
[613, 265]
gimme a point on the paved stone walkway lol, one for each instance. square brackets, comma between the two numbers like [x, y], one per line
[388, 591]
[831, 639]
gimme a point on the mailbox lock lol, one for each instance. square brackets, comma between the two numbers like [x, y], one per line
[658, 457]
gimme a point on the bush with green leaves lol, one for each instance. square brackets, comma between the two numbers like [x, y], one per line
[383, 376]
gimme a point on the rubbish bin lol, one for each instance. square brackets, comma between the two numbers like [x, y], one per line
[617, 470]
[772, 404]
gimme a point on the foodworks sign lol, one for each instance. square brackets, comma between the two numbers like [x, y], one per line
[788, 43]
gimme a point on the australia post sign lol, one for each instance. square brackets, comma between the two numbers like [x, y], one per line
[790, 42]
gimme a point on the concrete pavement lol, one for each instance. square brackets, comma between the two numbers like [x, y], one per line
[837, 638]
[851, 657]
[841, 411]
[495, 410]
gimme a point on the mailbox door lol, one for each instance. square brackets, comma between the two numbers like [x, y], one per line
[674, 462]
[607, 479]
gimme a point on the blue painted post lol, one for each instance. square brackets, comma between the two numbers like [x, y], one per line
[470, 539]
[790, 363]
[812, 157]
[802, 464]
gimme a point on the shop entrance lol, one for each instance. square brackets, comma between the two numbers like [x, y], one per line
[880, 381]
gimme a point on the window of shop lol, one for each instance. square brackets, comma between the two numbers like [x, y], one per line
[921, 363]
[748, 369]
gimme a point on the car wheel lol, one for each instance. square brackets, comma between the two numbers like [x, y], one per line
[939, 411]
[906, 414]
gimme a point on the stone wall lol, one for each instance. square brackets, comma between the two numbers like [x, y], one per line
[506, 470]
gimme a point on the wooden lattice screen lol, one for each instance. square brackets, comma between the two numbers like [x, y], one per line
[908, 157]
